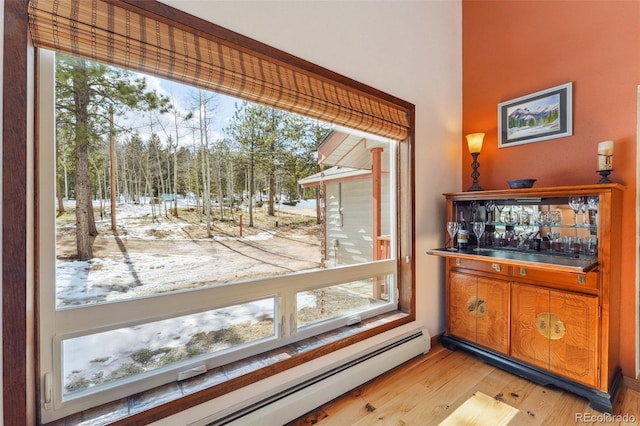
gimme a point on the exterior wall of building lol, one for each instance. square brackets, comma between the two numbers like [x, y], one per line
[350, 220]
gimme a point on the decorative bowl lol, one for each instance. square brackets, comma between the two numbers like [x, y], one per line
[521, 183]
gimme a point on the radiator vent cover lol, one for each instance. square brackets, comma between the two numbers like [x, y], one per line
[298, 399]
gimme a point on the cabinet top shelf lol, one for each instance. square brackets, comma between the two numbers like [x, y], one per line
[555, 263]
[534, 192]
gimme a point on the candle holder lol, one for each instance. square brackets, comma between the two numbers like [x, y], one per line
[605, 161]
[475, 174]
[604, 176]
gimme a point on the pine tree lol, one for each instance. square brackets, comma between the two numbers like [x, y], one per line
[85, 93]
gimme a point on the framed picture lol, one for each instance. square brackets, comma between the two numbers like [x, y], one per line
[536, 117]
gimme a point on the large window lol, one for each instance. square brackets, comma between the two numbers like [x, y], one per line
[182, 228]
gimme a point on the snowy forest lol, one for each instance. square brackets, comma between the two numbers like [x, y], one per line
[117, 141]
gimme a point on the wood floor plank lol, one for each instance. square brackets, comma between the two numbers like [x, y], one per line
[629, 404]
[425, 390]
[432, 399]
[363, 400]
[533, 401]
[481, 410]
[450, 396]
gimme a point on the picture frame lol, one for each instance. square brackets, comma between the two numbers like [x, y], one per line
[536, 117]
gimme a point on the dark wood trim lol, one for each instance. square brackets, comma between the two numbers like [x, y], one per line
[15, 367]
[410, 298]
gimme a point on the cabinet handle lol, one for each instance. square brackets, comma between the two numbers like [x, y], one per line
[582, 280]
[496, 267]
[550, 326]
[523, 271]
[458, 261]
[477, 306]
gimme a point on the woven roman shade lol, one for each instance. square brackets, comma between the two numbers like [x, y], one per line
[116, 33]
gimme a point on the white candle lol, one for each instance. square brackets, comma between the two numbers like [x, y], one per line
[605, 155]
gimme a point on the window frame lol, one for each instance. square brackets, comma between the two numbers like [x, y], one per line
[18, 276]
[86, 320]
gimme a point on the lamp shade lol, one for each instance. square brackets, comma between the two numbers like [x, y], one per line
[474, 141]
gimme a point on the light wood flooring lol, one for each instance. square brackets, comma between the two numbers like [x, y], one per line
[425, 390]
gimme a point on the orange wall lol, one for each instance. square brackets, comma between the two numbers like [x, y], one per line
[513, 48]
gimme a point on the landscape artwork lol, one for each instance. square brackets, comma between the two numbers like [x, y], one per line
[536, 117]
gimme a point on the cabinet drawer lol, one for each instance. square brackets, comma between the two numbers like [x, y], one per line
[481, 266]
[558, 279]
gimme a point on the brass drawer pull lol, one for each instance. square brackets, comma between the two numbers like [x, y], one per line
[496, 267]
[477, 306]
[523, 271]
[582, 280]
[550, 326]
[458, 261]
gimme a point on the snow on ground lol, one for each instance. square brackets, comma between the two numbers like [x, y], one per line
[126, 274]
[101, 355]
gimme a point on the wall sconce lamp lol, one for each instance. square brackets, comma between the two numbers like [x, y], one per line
[474, 141]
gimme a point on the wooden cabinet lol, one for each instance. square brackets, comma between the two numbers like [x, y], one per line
[540, 298]
[479, 310]
[556, 330]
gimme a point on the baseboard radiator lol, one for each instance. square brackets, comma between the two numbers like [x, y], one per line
[294, 401]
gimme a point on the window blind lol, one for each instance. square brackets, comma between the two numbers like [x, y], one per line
[118, 33]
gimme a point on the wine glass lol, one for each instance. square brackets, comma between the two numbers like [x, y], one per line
[452, 229]
[499, 207]
[583, 209]
[576, 204]
[490, 206]
[478, 229]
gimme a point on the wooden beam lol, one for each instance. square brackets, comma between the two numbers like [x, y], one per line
[15, 367]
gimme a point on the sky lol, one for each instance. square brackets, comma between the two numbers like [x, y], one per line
[181, 96]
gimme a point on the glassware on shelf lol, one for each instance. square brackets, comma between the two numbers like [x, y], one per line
[490, 206]
[510, 237]
[576, 245]
[555, 242]
[510, 218]
[583, 209]
[592, 203]
[543, 218]
[499, 208]
[590, 246]
[576, 205]
[452, 229]
[478, 229]
[474, 207]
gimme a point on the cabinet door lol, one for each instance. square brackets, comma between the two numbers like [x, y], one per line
[492, 327]
[462, 306]
[574, 336]
[530, 324]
